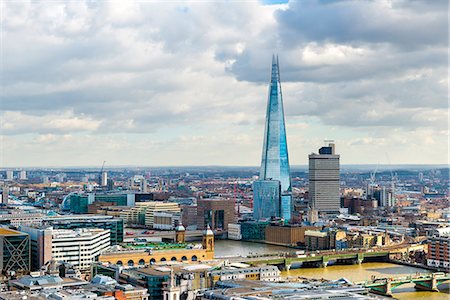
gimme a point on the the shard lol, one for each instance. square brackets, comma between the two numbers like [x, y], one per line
[272, 192]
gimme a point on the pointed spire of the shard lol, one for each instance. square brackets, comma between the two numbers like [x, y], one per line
[275, 161]
[275, 77]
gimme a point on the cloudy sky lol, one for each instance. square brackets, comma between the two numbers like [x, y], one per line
[152, 83]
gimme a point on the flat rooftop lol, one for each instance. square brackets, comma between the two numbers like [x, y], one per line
[83, 232]
[177, 268]
[7, 231]
[161, 246]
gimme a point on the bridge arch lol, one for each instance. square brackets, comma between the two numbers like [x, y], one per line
[130, 263]
[173, 258]
[141, 262]
[152, 261]
[194, 258]
[119, 263]
[183, 258]
[163, 259]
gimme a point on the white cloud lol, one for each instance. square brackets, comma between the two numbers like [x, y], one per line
[176, 75]
[19, 123]
[314, 54]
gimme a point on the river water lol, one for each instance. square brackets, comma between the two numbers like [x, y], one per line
[352, 272]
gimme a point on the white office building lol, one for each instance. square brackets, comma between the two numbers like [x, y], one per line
[19, 217]
[104, 178]
[9, 175]
[266, 273]
[80, 247]
[234, 232]
[23, 175]
[324, 181]
[5, 194]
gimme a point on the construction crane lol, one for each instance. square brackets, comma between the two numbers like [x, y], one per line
[393, 180]
[371, 184]
[372, 175]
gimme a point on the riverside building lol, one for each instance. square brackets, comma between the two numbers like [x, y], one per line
[272, 192]
[143, 254]
[439, 249]
[216, 213]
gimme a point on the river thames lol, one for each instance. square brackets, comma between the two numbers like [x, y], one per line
[354, 273]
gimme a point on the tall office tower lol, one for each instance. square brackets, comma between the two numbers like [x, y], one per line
[60, 177]
[420, 176]
[104, 181]
[23, 175]
[5, 193]
[9, 174]
[385, 197]
[110, 185]
[324, 180]
[272, 192]
[143, 185]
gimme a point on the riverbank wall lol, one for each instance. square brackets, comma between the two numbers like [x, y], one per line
[404, 263]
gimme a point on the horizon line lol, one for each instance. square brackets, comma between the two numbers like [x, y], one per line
[220, 166]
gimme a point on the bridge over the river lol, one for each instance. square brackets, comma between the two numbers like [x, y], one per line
[427, 282]
[324, 257]
[320, 259]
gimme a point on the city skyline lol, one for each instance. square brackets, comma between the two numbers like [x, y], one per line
[224, 149]
[86, 82]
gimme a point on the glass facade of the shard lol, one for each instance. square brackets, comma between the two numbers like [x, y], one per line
[275, 161]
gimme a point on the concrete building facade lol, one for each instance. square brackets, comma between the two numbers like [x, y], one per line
[158, 206]
[324, 181]
[287, 235]
[166, 220]
[234, 232]
[79, 247]
[216, 213]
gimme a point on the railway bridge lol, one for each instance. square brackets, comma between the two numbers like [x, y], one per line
[427, 282]
[322, 259]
